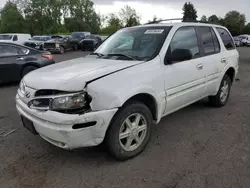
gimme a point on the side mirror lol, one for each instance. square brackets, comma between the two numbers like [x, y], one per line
[178, 55]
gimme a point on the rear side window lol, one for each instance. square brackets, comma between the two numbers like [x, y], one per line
[209, 41]
[216, 41]
[226, 38]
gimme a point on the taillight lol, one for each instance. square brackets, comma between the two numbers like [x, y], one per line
[49, 57]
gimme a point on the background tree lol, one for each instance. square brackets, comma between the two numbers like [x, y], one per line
[246, 29]
[12, 20]
[235, 22]
[129, 17]
[113, 24]
[154, 20]
[189, 12]
[213, 19]
[203, 19]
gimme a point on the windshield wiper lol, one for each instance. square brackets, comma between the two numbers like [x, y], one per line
[122, 55]
[98, 54]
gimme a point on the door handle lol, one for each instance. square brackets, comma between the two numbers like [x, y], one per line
[199, 67]
[20, 59]
[223, 60]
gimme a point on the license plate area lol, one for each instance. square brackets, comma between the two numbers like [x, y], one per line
[28, 125]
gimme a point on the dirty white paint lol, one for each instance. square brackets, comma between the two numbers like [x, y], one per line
[171, 86]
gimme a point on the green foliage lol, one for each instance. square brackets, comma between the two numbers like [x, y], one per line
[12, 20]
[129, 17]
[204, 19]
[247, 29]
[189, 12]
[235, 22]
[213, 19]
[113, 24]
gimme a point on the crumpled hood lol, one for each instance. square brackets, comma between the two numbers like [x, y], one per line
[72, 75]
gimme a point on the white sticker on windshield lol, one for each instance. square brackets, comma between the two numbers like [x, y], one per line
[154, 31]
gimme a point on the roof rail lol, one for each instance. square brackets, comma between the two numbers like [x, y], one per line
[162, 20]
[172, 19]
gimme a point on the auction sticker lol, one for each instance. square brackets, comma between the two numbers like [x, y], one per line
[154, 31]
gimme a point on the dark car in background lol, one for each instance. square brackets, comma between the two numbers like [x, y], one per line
[37, 42]
[61, 43]
[90, 42]
[78, 36]
[18, 60]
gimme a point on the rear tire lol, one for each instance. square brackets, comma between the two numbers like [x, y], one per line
[221, 98]
[27, 70]
[129, 131]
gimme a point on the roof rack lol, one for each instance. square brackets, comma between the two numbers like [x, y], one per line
[162, 20]
[172, 19]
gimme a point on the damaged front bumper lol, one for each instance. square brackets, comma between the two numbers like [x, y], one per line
[68, 131]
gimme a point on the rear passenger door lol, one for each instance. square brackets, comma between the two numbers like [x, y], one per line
[211, 57]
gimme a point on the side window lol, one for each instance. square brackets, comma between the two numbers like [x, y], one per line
[226, 38]
[8, 51]
[216, 41]
[15, 38]
[206, 40]
[184, 42]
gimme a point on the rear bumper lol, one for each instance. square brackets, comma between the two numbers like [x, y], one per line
[56, 128]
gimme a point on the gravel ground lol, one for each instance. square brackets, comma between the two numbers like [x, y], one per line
[196, 147]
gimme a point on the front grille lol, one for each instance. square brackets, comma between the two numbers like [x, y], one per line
[88, 44]
[49, 45]
[46, 92]
[32, 45]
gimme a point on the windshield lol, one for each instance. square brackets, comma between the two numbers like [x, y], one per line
[6, 37]
[76, 35]
[140, 43]
[39, 38]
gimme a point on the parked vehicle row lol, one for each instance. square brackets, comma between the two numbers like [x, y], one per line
[135, 78]
[55, 44]
[242, 40]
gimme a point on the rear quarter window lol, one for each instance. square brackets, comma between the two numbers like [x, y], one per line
[226, 38]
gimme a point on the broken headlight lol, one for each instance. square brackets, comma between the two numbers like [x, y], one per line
[71, 102]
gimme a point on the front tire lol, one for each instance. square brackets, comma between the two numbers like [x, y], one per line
[221, 98]
[129, 131]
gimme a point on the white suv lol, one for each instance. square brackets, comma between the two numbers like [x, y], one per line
[136, 77]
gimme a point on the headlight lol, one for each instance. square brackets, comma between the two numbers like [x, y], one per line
[68, 102]
[57, 45]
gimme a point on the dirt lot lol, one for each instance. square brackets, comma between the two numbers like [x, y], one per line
[197, 147]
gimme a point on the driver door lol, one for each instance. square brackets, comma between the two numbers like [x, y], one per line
[185, 80]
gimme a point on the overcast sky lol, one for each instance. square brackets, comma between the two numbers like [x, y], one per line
[171, 8]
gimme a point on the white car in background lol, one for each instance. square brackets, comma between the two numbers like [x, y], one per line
[14, 37]
[245, 40]
[117, 94]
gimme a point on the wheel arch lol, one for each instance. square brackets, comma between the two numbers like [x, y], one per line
[146, 99]
[33, 64]
[231, 73]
